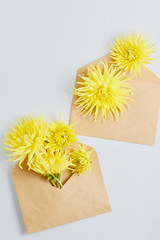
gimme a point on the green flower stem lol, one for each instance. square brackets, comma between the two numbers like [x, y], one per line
[60, 177]
[57, 180]
[53, 183]
[60, 180]
[54, 179]
[51, 179]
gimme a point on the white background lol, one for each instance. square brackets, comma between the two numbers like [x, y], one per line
[42, 45]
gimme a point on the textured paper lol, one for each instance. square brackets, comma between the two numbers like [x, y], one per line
[138, 124]
[44, 206]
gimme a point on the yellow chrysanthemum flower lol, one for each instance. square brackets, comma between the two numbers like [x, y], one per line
[60, 135]
[81, 160]
[26, 138]
[103, 90]
[129, 53]
[51, 164]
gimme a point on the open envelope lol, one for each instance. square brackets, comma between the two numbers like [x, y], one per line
[138, 124]
[44, 206]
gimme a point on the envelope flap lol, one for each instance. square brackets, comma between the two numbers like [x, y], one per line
[142, 83]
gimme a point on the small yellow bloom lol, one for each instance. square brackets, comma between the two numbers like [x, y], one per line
[50, 163]
[81, 160]
[60, 135]
[26, 138]
[129, 53]
[103, 90]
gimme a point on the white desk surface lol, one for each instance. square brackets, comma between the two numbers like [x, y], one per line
[42, 45]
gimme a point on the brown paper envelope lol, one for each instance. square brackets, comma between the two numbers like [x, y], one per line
[138, 124]
[43, 206]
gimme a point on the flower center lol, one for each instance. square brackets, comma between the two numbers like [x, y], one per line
[61, 137]
[102, 93]
[131, 54]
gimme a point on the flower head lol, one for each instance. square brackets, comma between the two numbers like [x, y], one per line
[60, 135]
[129, 53]
[26, 138]
[51, 162]
[103, 90]
[81, 160]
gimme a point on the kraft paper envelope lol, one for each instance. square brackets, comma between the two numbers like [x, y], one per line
[138, 124]
[44, 206]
